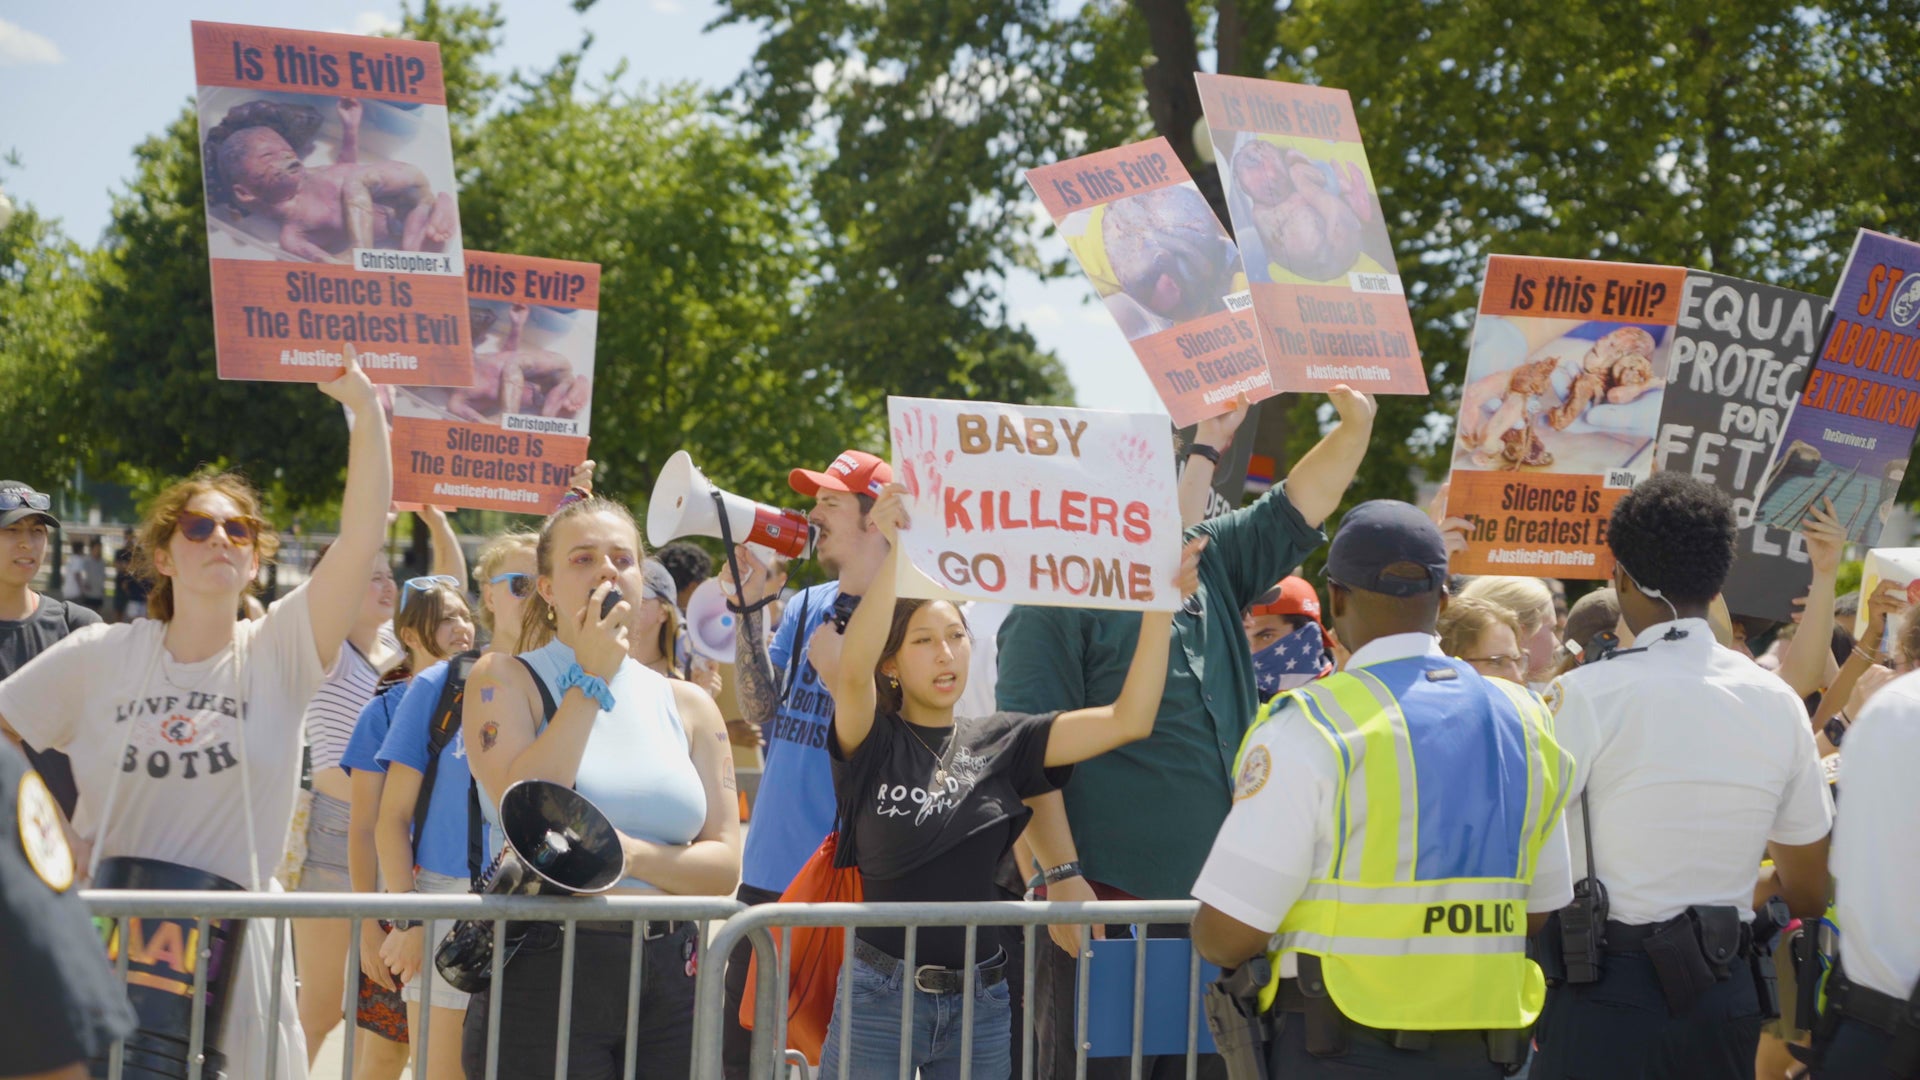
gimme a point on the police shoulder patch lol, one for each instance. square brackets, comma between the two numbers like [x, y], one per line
[1254, 770]
[40, 834]
[1554, 695]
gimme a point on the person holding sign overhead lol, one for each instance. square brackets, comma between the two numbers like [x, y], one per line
[1137, 822]
[949, 805]
[205, 713]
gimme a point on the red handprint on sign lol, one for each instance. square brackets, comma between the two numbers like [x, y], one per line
[916, 443]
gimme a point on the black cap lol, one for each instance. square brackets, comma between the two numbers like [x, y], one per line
[23, 512]
[1383, 534]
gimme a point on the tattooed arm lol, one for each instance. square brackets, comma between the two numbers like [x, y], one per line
[759, 692]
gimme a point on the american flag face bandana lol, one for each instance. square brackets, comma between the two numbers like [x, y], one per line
[1294, 661]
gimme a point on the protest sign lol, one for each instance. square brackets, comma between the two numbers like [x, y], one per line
[331, 215]
[1562, 402]
[509, 438]
[1848, 437]
[1035, 505]
[1740, 353]
[1898, 565]
[1306, 212]
[1167, 271]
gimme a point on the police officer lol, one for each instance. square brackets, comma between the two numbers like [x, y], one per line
[1694, 763]
[1871, 1028]
[59, 1002]
[1396, 832]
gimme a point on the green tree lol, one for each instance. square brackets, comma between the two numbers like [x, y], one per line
[46, 304]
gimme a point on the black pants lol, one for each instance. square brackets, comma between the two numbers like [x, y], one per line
[1450, 1056]
[1620, 1027]
[597, 1033]
[1856, 1052]
[1055, 977]
[736, 1051]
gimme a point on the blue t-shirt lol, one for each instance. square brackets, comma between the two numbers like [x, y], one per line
[794, 810]
[439, 843]
[370, 731]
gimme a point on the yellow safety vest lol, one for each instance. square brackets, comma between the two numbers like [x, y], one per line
[1447, 791]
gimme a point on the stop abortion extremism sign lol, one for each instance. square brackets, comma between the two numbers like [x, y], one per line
[1036, 505]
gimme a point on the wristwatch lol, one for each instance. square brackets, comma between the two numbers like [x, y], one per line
[403, 924]
[591, 685]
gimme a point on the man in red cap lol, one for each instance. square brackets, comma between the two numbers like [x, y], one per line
[782, 693]
[1289, 645]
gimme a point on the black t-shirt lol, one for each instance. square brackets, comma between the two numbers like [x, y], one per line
[20, 641]
[916, 840]
[59, 1000]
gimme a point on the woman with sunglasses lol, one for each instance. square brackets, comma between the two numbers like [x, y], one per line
[184, 728]
[1485, 635]
[428, 855]
[575, 708]
[320, 945]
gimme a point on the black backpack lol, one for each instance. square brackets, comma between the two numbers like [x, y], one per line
[440, 731]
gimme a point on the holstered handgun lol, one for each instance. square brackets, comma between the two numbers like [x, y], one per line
[1232, 1006]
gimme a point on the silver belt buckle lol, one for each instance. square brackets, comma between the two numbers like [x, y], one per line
[920, 974]
[655, 930]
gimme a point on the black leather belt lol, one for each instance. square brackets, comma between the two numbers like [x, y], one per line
[542, 934]
[1882, 1012]
[929, 978]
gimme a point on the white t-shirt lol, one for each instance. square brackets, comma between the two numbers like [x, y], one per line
[983, 673]
[1693, 758]
[1279, 838]
[109, 697]
[73, 579]
[1876, 846]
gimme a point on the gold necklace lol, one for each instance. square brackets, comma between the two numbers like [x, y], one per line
[940, 759]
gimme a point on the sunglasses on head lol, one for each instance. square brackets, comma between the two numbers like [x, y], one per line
[199, 527]
[426, 584]
[32, 500]
[520, 585]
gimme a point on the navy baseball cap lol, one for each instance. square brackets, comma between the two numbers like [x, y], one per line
[1388, 547]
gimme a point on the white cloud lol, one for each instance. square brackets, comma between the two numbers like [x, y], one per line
[369, 24]
[667, 7]
[20, 47]
[1039, 316]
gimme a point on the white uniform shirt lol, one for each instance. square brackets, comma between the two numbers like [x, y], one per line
[1693, 758]
[1876, 845]
[1280, 836]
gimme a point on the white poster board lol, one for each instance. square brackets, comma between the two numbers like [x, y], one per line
[1036, 505]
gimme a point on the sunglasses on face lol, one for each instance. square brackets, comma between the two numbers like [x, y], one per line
[32, 500]
[199, 527]
[1512, 662]
[426, 584]
[520, 585]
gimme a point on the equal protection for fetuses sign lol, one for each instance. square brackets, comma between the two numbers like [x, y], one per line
[1325, 286]
[331, 215]
[1166, 270]
[1849, 436]
[509, 438]
[1564, 387]
[1036, 505]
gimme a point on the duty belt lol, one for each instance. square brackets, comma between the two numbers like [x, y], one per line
[930, 978]
[1326, 1030]
[1883, 1012]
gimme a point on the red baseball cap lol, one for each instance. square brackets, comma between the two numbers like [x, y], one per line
[1293, 596]
[854, 472]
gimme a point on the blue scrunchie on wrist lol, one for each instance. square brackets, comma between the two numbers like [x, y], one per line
[591, 685]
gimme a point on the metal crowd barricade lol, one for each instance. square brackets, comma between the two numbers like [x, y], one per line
[120, 904]
[759, 924]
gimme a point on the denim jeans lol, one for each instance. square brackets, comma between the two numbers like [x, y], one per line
[873, 1047]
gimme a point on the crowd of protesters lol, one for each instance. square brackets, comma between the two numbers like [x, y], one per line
[1050, 752]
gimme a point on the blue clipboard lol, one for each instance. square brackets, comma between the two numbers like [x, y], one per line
[1110, 998]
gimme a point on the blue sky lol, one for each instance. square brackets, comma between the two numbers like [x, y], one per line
[85, 82]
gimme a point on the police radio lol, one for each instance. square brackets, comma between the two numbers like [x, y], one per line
[1583, 923]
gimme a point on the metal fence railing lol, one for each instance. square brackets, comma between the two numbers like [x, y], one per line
[759, 925]
[270, 912]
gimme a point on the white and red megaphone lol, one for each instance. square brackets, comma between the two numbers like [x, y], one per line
[684, 503]
[710, 626]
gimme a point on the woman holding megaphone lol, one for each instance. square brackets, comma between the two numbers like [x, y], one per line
[575, 708]
[185, 734]
[949, 803]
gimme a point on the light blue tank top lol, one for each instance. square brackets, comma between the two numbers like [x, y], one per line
[637, 767]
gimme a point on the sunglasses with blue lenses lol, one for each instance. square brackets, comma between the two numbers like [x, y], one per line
[426, 584]
[520, 585]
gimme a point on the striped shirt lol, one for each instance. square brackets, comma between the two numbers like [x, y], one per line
[335, 707]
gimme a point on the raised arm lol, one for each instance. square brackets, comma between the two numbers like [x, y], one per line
[1087, 733]
[710, 865]
[339, 581]
[448, 559]
[1804, 664]
[1319, 479]
[1196, 477]
[854, 698]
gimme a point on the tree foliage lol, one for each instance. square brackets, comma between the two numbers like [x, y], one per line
[46, 309]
